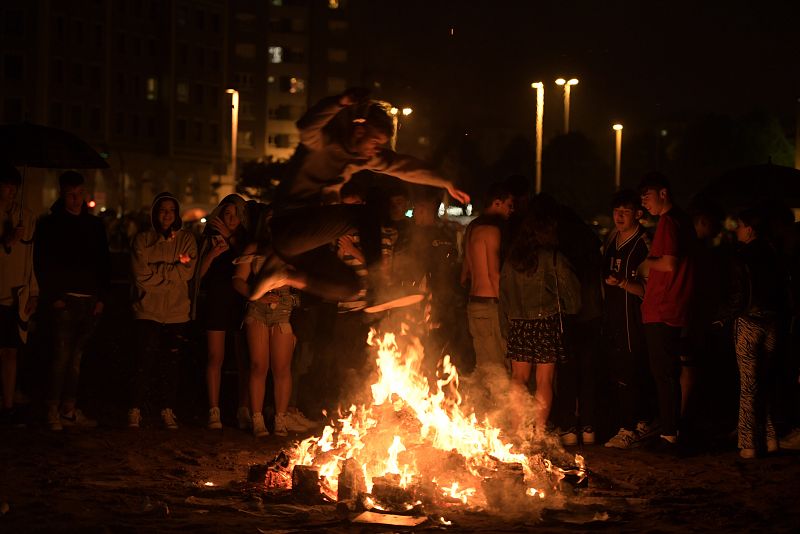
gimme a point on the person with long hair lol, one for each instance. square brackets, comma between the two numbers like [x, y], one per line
[270, 339]
[537, 287]
[223, 307]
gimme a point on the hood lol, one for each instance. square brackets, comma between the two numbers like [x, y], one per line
[178, 224]
[241, 211]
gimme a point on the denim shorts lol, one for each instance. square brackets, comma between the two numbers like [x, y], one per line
[272, 313]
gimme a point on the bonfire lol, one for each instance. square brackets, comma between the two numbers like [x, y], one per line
[417, 442]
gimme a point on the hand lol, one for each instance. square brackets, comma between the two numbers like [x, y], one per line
[30, 306]
[59, 304]
[354, 95]
[613, 281]
[98, 308]
[184, 258]
[217, 224]
[347, 244]
[218, 249]
[457, 194]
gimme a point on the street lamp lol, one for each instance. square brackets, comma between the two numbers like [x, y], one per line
[396, 112]
[539, 86]
[567, 85]
[234, 129]
[618, 155]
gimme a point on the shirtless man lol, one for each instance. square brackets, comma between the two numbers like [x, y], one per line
[482, 271]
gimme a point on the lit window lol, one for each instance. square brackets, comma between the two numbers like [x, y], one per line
[182, 92]
[152, 89]
[292, 85]
[333, 4]
[275, 54]
[244, 139]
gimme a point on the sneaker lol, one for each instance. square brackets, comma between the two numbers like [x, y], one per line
[134, 418]
[54, 419]
[273, 274]
[214, 421]
[77, 419]
[772, 445]
[747, 453]
[168, 416]
[243, 418]
[296, 421]
[791, 440]
[645, 430]
[625, 439]
[259, 428]
[667, 445]
[281, 422]
[568, 437]
[587, 435]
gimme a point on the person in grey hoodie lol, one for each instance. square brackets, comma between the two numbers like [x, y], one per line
[163, 262]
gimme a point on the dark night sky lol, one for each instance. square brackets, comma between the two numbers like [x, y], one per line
[638, 62]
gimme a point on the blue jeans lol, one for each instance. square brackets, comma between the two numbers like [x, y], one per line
[73, 325]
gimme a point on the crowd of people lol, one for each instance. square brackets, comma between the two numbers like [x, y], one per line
[630, 330]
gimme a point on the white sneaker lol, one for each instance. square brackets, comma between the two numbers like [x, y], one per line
[214, 420]
[168, 416]
[625, 439]
[77, 419]
[281, 422]
[134, 418]
[791, 440]
[587, 435]
[54, 419]
[243, 418]
[296, 421]
[568, 437]
[259, 428]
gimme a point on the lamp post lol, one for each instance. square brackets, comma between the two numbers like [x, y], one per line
[567, 85]
[618, 155]
[539, 86]
[396, 113]
[234, 129]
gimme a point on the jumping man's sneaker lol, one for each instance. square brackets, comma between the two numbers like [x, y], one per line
[625, 439]
[243, 418]
[77, 419]
[168, 417]
[296, 421]
[273, 274]
[214, 420]
[791, 440]
[134, 418]
[54, 419]
[259, 428]
[395, 299]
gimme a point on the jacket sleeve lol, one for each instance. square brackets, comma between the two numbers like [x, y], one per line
[176, 271]
[407, 168]
[569, 286]
[103, 262]
[315, 119]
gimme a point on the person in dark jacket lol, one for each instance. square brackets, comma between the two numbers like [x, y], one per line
[756, 302]
[73, 267]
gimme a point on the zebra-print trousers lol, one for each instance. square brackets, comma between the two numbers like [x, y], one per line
[755, 340]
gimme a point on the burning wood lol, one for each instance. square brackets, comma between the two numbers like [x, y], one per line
[414, 444]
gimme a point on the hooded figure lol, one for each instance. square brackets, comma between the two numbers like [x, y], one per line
[207, 240]
[163, 262]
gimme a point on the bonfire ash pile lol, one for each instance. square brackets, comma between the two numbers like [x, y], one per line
[414, 449]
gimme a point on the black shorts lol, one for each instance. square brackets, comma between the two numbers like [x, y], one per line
[536, 341]
[9, 331]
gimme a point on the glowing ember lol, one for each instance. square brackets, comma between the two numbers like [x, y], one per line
[414, 435]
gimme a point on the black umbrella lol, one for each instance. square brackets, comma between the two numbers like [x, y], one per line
[31, 145]
[756, 185]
